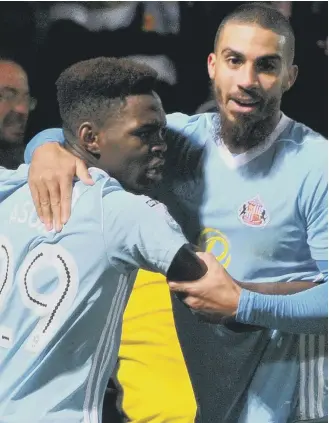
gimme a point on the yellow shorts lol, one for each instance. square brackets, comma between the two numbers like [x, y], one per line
[152, 371]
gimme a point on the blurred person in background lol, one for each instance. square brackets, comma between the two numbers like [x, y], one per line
[15, 107]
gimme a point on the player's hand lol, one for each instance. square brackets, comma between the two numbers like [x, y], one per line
[216, 294]
[50, 179]
[215, 297]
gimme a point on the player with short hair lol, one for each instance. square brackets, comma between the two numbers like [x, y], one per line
[62, 295]
[249, 185]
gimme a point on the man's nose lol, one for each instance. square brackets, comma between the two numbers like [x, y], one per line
[248, 77]
[21, 107]
[159, 148]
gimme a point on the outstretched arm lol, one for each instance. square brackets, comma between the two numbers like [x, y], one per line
[302, 312]
[296, 307]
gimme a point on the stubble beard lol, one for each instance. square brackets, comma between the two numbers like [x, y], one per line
[245, 132]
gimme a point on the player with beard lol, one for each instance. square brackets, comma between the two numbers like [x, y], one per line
[248, 89]
[15, 106]
[250, 185]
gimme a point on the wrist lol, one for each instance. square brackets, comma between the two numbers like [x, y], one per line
[236, 298]
[45, 146]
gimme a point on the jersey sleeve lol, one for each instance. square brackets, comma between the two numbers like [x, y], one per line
[48, 135]
[303, 312]
[313, 204]
[139, 232]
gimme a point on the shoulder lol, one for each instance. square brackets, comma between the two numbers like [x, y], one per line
[121, 203]
[126, 210]
[306, 156]
[195, 127]
[304, 141]
[306, 149]
[19, 174]
[11, 180]
[186, 138]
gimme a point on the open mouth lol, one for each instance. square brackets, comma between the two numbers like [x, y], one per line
[155, 173]
[155, 169]
[245, 105]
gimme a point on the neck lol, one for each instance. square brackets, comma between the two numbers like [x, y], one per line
[81, 153]
[241, 138]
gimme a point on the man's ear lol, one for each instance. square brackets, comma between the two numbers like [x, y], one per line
[292, 76]
[89, 138]
[211, 65]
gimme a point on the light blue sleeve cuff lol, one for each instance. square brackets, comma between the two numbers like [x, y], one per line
[303, 312]
[48, 135]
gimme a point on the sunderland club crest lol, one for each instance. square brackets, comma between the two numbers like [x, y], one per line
[253, 213]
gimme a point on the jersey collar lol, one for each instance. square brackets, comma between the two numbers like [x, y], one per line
[234, 161]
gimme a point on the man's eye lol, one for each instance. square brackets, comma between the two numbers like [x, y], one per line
[6, 96]
[234, 61]
[144, 134]
[267, 67]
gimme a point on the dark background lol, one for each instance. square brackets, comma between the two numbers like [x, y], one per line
[46, 37]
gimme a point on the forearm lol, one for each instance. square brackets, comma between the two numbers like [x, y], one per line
[268, 288]
[277, 288]
[301, 312]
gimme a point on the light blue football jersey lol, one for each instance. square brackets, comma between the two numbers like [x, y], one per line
[263, 214]
[62, 295]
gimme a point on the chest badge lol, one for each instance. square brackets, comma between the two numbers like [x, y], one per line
[253, 213]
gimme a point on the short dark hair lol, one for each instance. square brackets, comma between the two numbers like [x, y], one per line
[10, 57]
[88, 89]
[266, 16]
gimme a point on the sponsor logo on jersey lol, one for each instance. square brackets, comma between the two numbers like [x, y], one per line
[214, 241]
[253, 213]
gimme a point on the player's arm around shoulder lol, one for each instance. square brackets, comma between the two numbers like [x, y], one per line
[51, 176]
[185, 136]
